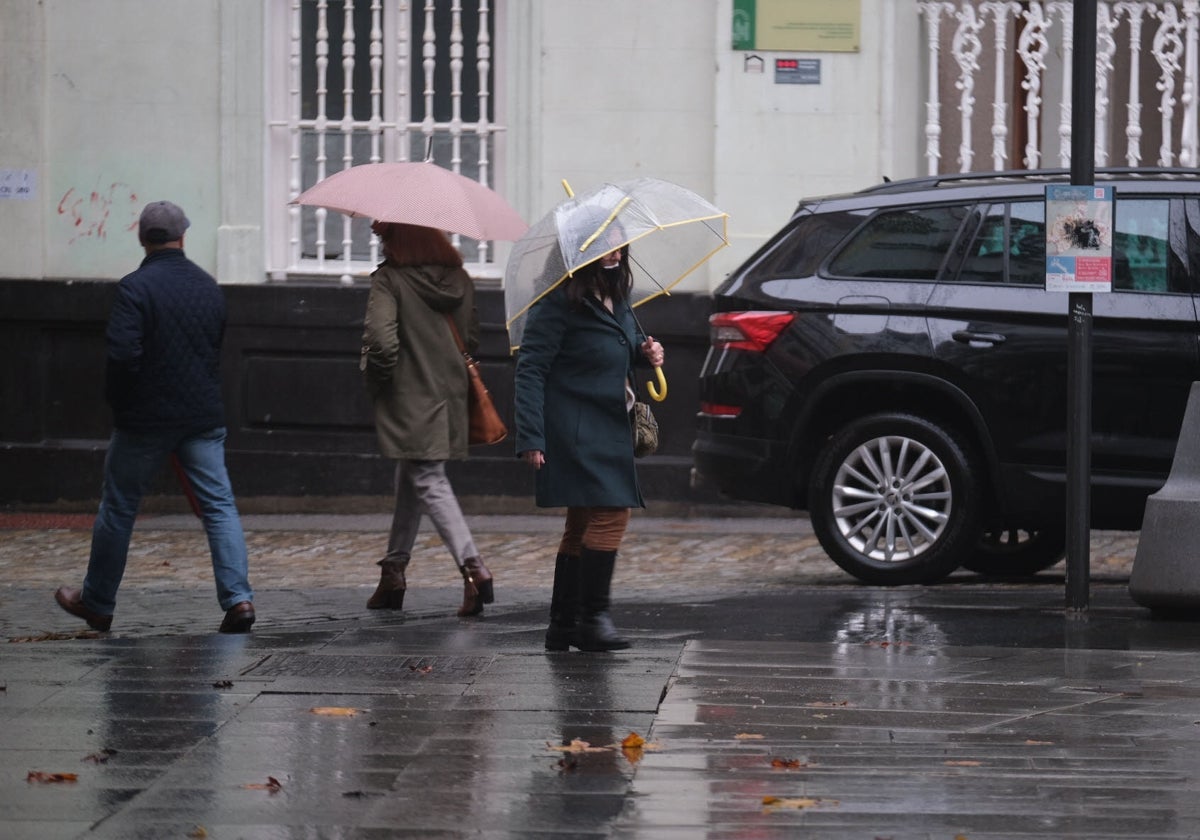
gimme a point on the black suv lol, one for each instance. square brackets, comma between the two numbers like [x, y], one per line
[891, 362]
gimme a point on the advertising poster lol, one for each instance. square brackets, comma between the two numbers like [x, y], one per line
[1079, 230]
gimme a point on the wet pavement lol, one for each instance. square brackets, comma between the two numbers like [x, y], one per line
[776, 697]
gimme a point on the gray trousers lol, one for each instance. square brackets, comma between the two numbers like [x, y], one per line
[422, 488]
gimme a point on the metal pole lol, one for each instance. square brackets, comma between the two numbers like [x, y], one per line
[1079, 322]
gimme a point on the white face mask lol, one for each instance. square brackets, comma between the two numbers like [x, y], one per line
[612, 267]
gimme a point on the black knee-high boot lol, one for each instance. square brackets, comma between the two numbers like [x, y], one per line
[564, 602]
[594, 630]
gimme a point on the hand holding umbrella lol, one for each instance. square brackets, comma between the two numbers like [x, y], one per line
[653, 351]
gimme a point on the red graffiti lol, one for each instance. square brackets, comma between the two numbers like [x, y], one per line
[90, 215]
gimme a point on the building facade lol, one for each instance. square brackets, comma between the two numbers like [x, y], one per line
[231, 108]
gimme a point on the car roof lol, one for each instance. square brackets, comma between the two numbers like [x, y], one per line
[962, 186]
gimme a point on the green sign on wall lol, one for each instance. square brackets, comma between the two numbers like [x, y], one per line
[797, 25]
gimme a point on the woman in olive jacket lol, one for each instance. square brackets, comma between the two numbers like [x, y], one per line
[418, 383]
[572, 399]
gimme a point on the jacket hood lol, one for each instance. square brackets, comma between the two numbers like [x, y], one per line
[440, 286]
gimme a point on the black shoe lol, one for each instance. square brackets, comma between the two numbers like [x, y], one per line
[564, 603]
[597, 633]
[594, 630]
[238, 618]
[71, 600]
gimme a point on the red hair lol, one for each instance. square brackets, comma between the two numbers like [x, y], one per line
[406, 244]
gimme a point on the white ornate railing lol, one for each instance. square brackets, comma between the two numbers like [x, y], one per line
[384, 114]
[1016, 57]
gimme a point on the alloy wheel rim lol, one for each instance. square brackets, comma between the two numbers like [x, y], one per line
[892, 499]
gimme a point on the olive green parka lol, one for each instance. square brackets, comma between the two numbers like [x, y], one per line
[414, 372]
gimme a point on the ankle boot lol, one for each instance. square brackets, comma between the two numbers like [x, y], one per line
[564, 603]
[389, 594]
[477, 587]
[594, 629]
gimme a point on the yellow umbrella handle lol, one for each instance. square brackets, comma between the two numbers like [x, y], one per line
[660, 393]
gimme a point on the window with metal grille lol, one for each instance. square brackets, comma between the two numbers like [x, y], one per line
[369, 81]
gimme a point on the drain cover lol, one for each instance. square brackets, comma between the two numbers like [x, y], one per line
[451, 668]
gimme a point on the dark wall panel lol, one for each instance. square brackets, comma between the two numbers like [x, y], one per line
[298, 417]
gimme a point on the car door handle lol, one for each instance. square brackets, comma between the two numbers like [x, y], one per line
[972, 337]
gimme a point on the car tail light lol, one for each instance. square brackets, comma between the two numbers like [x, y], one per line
[750, 331]
[717, 410]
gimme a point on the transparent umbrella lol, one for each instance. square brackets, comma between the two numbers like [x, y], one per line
[671, 231]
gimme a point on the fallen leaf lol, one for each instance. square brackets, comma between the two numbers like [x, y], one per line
[776, 802]
[746, 736]
[963, 763]
[633, 741]
[577, 746]
[787, 763]
[272, 785]
[100, 757]
[223, 684]
[198, 832]
[50, 778]
[423, 669]
[1034, 743]
[335, 711]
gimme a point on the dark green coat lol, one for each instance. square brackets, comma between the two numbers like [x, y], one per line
[571, 402]
[415, 375]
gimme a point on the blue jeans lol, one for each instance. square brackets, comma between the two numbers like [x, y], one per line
[132, 461]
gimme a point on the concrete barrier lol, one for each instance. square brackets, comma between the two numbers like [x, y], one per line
[1166, 567]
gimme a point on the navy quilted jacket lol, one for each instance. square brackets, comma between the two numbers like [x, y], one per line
[164, 347]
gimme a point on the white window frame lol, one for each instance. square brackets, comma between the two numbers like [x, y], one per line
[390, 122]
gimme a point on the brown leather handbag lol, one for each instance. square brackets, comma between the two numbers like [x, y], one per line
[485, 427]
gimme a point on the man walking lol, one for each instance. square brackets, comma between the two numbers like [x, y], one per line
[164, 387]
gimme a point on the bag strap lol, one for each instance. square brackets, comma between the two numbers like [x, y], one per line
[457, 338]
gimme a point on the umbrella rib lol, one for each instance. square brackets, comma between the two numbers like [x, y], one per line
[666, 290]
[528, 306]
[620, 206]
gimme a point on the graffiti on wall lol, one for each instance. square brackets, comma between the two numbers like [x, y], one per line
[92, 213]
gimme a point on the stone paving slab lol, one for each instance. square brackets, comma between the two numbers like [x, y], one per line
[778, 697]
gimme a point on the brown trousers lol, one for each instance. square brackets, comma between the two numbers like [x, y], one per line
[597, 528]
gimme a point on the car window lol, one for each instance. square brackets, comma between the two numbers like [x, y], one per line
[1140, 245]
[1009, 246]
[800, 250]
[903, 244]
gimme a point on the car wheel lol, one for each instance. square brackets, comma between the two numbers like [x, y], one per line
[1017, 552]
[893, 500]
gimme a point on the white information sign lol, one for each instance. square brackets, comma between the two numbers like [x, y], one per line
[17, 183]
[1079, 238]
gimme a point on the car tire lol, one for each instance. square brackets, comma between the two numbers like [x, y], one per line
[1017, 552]
[893, 499]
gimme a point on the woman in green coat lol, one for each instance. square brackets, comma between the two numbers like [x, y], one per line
[418, 384]
[573, 394]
